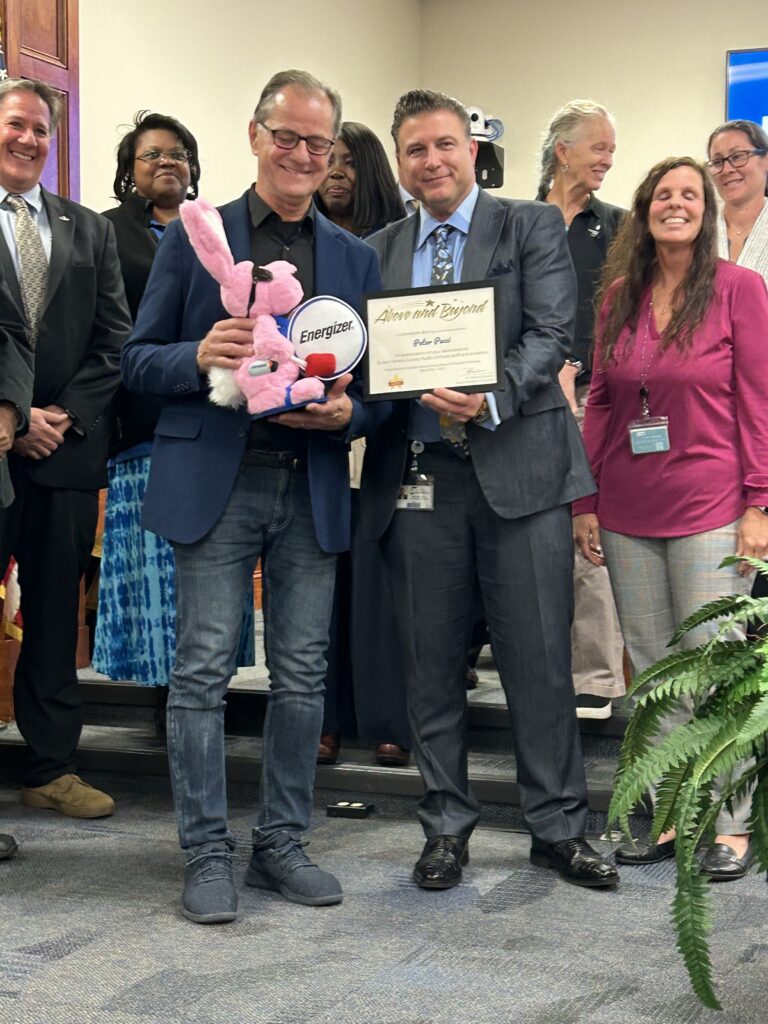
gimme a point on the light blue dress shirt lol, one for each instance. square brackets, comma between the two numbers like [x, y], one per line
[425, 425]
[34, 200]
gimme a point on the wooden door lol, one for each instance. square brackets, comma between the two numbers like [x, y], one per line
[40, 39]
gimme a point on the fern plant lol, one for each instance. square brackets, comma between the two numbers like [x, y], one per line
[727, 682]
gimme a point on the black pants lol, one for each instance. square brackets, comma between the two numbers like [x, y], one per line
[50, 533]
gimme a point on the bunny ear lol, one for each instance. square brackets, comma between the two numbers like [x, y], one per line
[207, 237]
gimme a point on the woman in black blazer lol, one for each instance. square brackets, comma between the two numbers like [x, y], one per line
[157, 169]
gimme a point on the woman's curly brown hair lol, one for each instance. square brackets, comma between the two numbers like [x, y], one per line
[631, 262]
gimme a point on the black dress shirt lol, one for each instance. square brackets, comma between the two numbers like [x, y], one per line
[294, 241]
[589, 237]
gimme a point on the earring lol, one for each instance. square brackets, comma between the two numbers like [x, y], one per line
[566, 168]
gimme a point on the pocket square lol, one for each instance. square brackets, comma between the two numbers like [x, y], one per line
[502, 268]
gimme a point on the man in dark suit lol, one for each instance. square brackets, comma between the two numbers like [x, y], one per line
[501, 494]
[16, 369]
[59, 264]
[226, 490]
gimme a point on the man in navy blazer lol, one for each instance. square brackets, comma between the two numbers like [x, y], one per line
[500, 503]
[226, 491]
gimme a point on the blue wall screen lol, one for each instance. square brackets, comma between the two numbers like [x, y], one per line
[747, 86]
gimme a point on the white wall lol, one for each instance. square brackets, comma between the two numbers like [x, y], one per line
[206, 62]
[659, 65]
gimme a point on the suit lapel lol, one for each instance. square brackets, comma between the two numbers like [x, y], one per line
[330, 252]
[397, 258]
[8, 272]
[237, 225]
[484, 233]
[62, 222]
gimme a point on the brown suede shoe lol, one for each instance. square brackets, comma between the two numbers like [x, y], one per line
[71, 796]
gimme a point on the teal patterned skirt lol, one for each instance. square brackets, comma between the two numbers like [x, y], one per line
[136, 619]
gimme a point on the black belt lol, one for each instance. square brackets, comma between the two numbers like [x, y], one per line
[295, 461]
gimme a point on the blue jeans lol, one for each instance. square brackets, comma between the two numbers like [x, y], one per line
[269, 516]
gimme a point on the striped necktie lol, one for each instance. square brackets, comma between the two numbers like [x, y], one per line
[33, 266]
[452, 433]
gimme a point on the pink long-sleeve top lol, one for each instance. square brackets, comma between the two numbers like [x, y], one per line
[716, 397]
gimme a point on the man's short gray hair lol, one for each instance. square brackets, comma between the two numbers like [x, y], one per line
[425, 101]
[299, 80]
[46, 92]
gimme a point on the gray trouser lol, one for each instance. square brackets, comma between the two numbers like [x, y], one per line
[659, 582]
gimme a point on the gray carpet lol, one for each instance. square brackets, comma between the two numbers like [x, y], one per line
[90, 932]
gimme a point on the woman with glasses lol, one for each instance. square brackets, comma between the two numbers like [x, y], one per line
[365, 688]
[738, 163]
[676, 429]
[157, 169]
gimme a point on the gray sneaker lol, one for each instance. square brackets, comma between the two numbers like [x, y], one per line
[209, 895]
[279, 863]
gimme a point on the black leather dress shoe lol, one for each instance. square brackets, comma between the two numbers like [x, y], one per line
[440, 863]
[575, 861]
[7, 846]
[642, 853]
[721, 864]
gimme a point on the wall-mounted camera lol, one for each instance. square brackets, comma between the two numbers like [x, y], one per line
[489, 165]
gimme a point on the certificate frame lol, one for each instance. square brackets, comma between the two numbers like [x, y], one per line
[409, 315]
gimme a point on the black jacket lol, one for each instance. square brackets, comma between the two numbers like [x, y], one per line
[136, 416]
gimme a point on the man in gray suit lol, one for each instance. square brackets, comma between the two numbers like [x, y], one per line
[501, 490]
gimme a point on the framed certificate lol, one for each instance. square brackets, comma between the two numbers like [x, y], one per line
[425, 338]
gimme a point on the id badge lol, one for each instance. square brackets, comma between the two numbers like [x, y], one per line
[417, 494]
[649, 435]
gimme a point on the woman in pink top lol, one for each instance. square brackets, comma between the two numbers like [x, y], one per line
[676, 430]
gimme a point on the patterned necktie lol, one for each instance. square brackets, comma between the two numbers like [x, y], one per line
[33, 266]
[453, 434]
[442, 261]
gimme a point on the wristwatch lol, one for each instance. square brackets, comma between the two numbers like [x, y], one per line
[483, 413]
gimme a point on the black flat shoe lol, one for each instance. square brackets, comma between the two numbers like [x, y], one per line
[575, 861]
[440, 863]
[642, 853]
[721, 864]
[7, 846]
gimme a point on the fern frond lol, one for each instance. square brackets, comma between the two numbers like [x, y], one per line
[639, 734]
[724, 751]
[692, 918]
[667, 794]
[712, 610]
[676, 662]
[756, 563]
[756, 725]
[677, 748]
[758, 821]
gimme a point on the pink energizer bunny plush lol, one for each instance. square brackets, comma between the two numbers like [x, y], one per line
[268, 380]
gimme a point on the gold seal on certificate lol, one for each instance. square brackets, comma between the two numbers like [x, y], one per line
[425, 338]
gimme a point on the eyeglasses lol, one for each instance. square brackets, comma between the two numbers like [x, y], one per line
[285, 139]
[151, 156]
[737, 159]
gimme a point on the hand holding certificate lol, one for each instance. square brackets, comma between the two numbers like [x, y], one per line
[426, 338]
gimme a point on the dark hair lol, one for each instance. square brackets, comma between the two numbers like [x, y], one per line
[376, 200]
[754, 132]
[46, 92]
[425, 101]
[629, 269]
[146, 121]
[299, 80]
